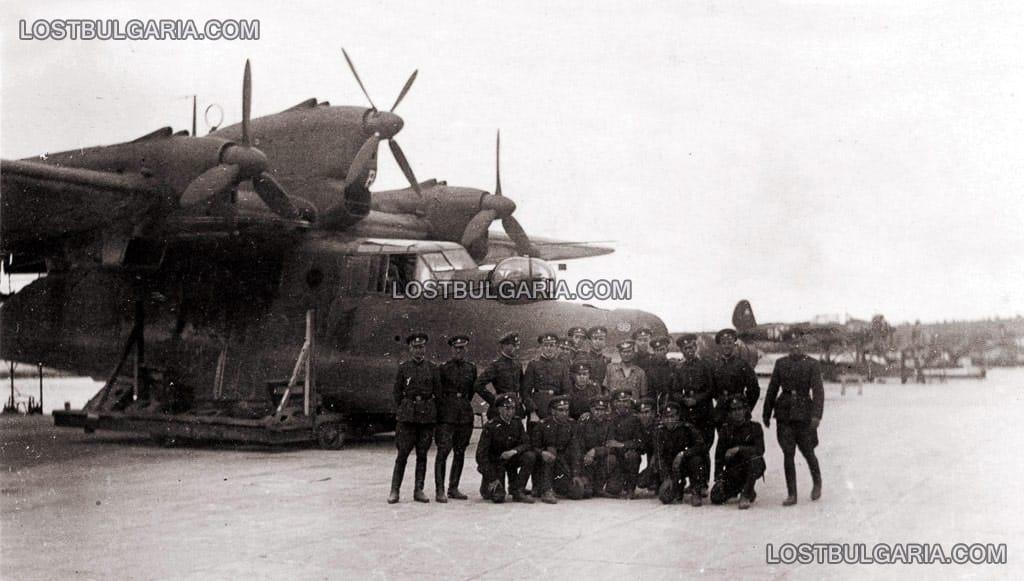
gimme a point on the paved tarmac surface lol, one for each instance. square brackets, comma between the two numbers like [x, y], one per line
[902, 464]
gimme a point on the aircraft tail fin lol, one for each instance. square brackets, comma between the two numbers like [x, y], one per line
[743, 316]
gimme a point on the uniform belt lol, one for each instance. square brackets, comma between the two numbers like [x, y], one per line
[456, 394]
[547, 391]
[421, 397]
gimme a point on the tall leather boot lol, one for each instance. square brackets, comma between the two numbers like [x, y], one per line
[812, 463]
[396, 481]
[440, 462]
[790, 469]
[456, 476]
[421, 477]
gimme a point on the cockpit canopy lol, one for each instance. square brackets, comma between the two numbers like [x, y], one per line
[523, 279]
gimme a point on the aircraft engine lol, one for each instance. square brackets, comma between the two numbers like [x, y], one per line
[520, 279]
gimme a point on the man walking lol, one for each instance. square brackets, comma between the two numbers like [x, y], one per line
[797, 399]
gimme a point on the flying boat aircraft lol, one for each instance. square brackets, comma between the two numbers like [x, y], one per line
[204, 277]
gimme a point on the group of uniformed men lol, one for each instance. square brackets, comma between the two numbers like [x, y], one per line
[590, 421]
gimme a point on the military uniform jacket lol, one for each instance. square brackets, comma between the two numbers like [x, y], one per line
[795, 393]
[417, 385]
[598, 364]
[734, 376]
[579, 398]
[555, 437]
[749, 436]
[647, 437]
[643, 359]
[694, 378]
[616, 379]
[659, 376]
[591, 433]
[544, 379]
[628, 430]
[670, 441]
[498, 437]
[457, 381]
[505, 374]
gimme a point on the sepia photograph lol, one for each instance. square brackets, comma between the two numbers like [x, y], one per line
[511, 290]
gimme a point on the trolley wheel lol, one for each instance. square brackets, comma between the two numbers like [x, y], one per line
[331, 436]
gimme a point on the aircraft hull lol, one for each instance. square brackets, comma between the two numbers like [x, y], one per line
[248, 336]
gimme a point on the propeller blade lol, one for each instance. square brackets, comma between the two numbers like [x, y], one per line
[477, 227]
[362, 158]
[352, 67]
[216, 180]
[515, 231]
[274, 197]
[478, 250]
[246, 102]
[497, 166]
[403, 163]
[405, 89]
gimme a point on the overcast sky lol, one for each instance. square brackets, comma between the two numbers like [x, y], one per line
[824, 157]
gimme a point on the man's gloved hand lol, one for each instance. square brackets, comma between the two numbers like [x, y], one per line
[815, 422]
[508, 454]
[547, 456]
[588, 458]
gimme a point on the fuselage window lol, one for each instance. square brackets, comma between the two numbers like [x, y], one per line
[401, 269]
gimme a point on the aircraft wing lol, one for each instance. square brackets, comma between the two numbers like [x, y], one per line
[500, 246]
[43, 201]
[89, 216]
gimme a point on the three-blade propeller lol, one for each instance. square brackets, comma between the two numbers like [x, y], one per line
[240, 162]
[492, 208]
[386, 124]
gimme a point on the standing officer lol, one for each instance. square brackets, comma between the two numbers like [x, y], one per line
[583, 389]
[454, 417]
[552, 440]
[625, 441]
[797, 398]
[642, 338]
[693, 386]
[566, 352]
[577, 336]
[417, 385]
[658, 370]
[734, 377]
[545, 377]
[504, 450]
[743, 457]
[626, 374]
[680, 451]
[505, 375]
[595, 357]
